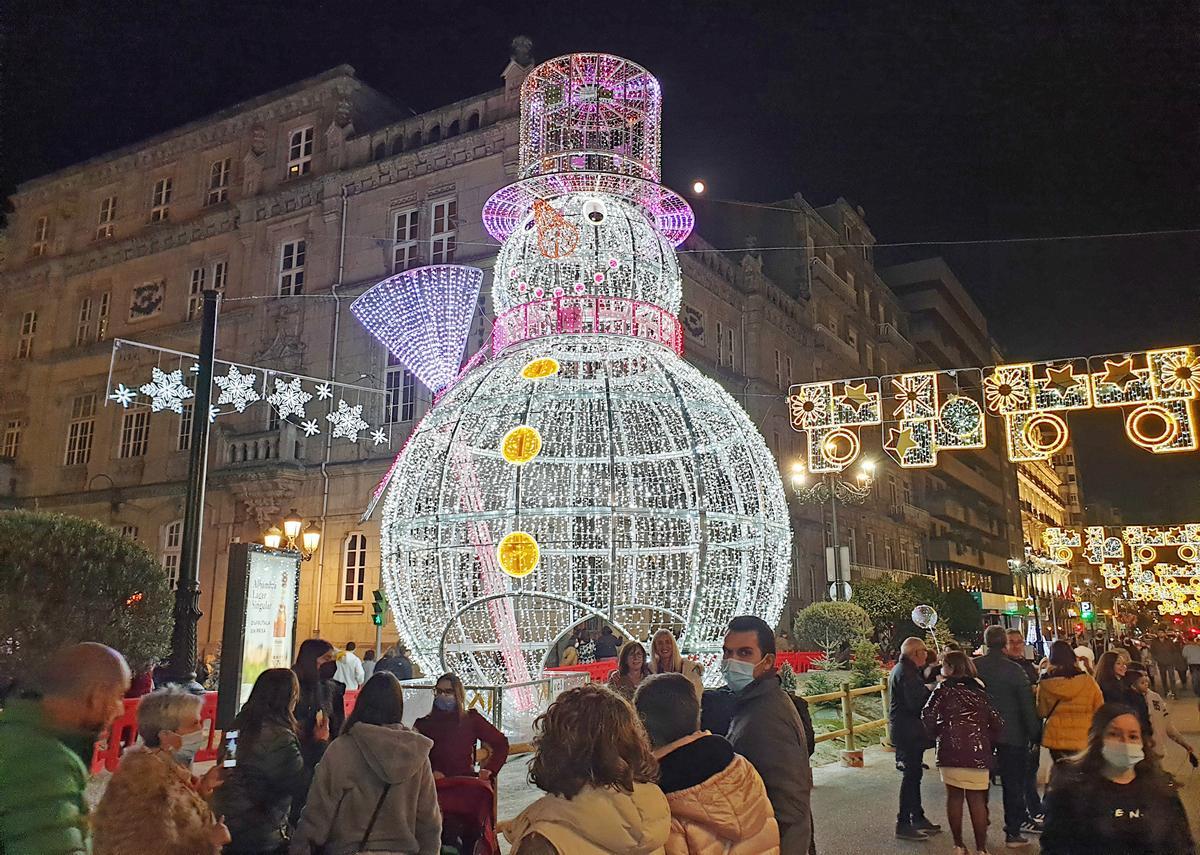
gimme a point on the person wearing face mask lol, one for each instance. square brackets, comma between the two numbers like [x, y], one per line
[47, 737]
[766, 729]
[1114, 798]
[153, 805]
[455, 730]
[319, 709]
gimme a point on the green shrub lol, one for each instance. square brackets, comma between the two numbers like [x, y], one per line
[865, 667]
[819, 683]
[787, 678]
[826, 625]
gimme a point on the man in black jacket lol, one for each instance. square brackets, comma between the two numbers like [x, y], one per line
[908, 695]
[1010, 693]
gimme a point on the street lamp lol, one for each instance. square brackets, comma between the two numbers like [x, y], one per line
[297, 535]
[1030, 567]
[831, 487]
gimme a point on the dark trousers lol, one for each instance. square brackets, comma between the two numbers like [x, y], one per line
[1194, 672]
[1033, 800]
[1011, 763]
[1167, 672]
[910, 785]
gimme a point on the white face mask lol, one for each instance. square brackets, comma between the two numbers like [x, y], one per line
[191, 744]
[738, 674]
[1122, 756]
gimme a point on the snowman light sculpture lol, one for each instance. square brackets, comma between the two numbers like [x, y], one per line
[577, 468]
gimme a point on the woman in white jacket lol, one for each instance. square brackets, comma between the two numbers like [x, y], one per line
[374, 788]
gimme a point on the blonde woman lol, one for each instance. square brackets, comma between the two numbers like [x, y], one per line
[666, 659]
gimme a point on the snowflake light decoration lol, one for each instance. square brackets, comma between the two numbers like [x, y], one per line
[378, 437]
[166, 391]
[310, 427]
[237, 389]
[122, 395]
[631, 488]
[288, 398]
[324, 391]
[347, 421]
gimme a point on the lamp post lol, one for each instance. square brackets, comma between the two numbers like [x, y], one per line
[1029, 568]
[296, 536]
[830, 487]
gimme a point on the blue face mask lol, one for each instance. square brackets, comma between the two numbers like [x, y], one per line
[738, 675]
[444, 703]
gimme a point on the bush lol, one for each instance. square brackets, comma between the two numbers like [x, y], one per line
[827, 625]
[962, 615]
[865, 667]
[787, 678]
[65, 580]
[888, 603]
[819, 683]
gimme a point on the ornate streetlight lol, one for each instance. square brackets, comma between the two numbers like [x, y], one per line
[297, 536]
[810, 489]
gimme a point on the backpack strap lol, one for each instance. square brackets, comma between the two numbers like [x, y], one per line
[374, 816]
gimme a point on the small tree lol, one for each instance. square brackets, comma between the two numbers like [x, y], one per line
[827, 625]
[65, 580]
[888, 603]
[865, 667]
[787, 678]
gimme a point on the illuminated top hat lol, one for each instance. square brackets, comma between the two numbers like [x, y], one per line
[590, 122]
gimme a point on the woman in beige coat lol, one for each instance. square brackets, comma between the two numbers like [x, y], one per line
[152, 805]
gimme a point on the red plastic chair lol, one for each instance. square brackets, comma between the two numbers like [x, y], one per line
[470, 804]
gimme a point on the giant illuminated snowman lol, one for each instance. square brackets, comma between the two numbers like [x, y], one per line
[577, 468]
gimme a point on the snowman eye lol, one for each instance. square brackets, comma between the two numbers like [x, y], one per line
[594, 211]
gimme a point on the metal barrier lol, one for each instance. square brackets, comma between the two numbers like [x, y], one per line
[849, 726]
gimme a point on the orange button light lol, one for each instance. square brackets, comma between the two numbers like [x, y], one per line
[518, 554]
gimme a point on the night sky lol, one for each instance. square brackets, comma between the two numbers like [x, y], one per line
[951, 123]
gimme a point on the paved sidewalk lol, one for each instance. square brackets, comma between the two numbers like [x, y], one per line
[855, 809]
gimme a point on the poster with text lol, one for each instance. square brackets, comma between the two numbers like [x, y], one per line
[271, 587]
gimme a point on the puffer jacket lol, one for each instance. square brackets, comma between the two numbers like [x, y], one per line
[151, 808]
[598, 822]
[1067, 705]
[257, 794]
[963, 721]
[42, 779]
[719, 805]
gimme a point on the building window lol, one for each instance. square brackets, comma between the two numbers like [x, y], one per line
[12, 439]
[28, 331]
[887, 555]
[720, 343]
[853, 543]
[195, 292]
[401, 388]
[729, 346]
[129, 531]
[80, 430]
[789, 371]
[102, 316]
[871, 548]
[291, 268]
[404, 252]
[907, 493]
[272, 418]
[172, 545]
[778, 370]
[1070, 459]
[183, 440]
[219, 269]
[108, 215]
[354, 568]
[83, 329]
[218, 182]
[300, 149]
[160, 200]
[443, 235]
[135, 434]
[892, 490]
[41, 230]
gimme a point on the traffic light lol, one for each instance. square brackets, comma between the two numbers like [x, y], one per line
[378, 607]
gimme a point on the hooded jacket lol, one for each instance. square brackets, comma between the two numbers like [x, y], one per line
[598, 821]
[1067, 705]
[349, 782]
[719, 805]
[150, 808]
[42, 779]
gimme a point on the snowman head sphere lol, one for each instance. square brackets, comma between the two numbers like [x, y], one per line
[587, 243]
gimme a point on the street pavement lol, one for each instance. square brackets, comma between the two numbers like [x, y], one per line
[855, 809]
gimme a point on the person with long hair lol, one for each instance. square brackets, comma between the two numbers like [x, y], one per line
[257, 794]
[1114, 798]
[455, 730]
[373, 789]
[666, 659]
[631, 669]
[593, 761]
[966, 727]
[319, 710]
[1110, 671]
[1067, 698]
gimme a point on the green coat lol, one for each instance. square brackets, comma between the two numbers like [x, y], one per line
[42, 779]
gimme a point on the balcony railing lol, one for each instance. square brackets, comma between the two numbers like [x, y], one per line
[283, 445]
[869, 571]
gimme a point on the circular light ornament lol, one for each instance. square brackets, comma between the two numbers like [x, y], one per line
[841, 446]
[1167, 430]
[1035, 433]
[521, 444]
[540, 369]
[961, 417]
[1063, 553]
[518, 554]
[1145, 554]
[1189, 554]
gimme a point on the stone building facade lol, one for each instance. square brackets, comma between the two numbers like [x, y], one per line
[293, 204]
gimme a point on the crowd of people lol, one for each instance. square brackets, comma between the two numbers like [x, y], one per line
[649, 763]
[991, 715]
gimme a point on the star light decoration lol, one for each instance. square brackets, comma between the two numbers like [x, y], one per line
[347, 420]
[166, 391]
[646, 496]
[288, 398]
[237, 388]
[930, 412]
